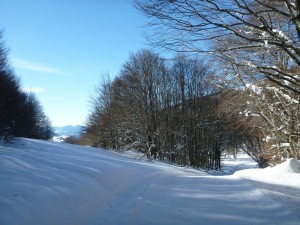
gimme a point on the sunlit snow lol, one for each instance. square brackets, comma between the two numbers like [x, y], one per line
[57, 183]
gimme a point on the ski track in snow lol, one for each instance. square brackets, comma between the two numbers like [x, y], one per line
[56, 183]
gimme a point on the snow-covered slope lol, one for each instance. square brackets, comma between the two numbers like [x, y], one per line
[56, 183]
[281, 183]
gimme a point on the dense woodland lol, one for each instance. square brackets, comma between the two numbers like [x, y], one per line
[233, 84]
[174, 111]
[21, 114]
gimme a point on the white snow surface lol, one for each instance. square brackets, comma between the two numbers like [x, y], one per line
[57, 183]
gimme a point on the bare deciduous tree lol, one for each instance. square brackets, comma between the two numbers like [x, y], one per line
[261, 35]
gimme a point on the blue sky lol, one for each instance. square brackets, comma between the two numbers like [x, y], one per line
[60, 49]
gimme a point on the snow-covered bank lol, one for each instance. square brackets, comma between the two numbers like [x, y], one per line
[56, 183]
[281, 183]
[287, 173]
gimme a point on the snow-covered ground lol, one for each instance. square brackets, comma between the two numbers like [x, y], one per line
[56, 183]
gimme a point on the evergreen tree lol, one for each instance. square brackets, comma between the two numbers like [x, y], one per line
[20, 113]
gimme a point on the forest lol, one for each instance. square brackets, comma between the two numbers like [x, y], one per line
[233, 84]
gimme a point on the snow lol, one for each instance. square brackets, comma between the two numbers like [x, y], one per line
[281, 183]
[62, 133]
[285, 174]
[283, 35]
[254, 88]
[57, 183]
[61, 138]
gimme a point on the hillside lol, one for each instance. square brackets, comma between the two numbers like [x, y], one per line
[57, 183]
[61, 133]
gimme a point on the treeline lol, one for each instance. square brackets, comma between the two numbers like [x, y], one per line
[190, 113]
[255, 47]
[21, 114]
[168, 110]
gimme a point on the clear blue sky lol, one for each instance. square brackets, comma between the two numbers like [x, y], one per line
[61, 48]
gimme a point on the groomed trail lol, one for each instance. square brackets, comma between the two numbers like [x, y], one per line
[56, 183]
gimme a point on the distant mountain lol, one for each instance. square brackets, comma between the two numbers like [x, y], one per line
[69, 130]
[61, 133]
